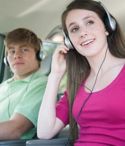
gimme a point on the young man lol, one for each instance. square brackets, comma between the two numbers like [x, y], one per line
[20, 96]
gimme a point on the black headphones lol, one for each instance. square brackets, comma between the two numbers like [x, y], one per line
[39, 55]
[110, 22]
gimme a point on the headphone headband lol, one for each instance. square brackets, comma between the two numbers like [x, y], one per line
[111, 20]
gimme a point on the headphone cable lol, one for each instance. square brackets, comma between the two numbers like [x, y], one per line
[88, 97]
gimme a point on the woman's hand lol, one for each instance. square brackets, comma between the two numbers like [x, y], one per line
[59, 60]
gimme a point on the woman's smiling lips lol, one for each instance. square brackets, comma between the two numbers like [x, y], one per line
[87, 42]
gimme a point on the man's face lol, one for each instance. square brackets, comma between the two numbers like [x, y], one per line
[22, 60]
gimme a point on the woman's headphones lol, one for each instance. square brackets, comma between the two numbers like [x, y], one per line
[110, 22]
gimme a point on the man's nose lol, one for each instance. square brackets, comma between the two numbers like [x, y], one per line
[17, 54]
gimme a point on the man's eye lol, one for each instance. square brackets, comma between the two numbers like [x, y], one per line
[11, 51]
[25, 49]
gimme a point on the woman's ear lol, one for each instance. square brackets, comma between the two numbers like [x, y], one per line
[107, 33]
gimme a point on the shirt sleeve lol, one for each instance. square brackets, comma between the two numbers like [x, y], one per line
[62, 109]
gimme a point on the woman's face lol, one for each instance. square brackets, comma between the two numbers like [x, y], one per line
[86, 31]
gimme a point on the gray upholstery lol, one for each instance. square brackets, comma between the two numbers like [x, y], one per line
[13, 143]
[48, 48]
[62, 139]
[52, 142]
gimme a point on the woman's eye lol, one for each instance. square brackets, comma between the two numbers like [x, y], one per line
[90, 22]
[74, 29]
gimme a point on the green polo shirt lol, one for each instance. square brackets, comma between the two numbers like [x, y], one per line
[23, 97]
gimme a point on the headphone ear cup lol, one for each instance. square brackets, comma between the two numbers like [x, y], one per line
[111, 23]
[67, 41]
[6, 61]
[40, 55]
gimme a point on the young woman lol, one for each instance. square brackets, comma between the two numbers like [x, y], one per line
[95, 97]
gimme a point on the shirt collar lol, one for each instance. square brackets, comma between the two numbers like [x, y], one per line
[28, 78]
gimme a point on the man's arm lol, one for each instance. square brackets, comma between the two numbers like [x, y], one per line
[15, 127]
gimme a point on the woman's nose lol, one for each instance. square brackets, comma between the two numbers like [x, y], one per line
[83, 33]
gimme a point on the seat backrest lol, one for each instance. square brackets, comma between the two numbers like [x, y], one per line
[65, 132]
[48, 48]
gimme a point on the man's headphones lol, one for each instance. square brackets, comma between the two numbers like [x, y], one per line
[39, 55]
[5, 61]
[110, 22]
